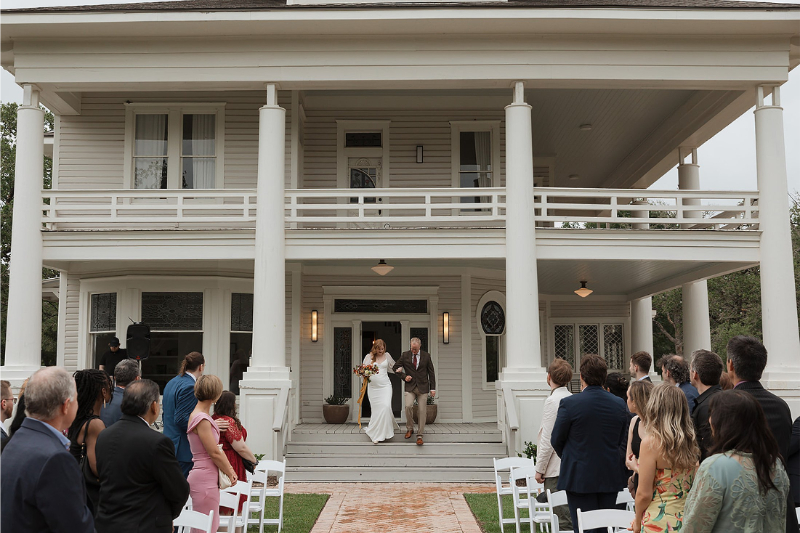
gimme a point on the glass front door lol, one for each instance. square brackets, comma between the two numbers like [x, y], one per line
[392, 334]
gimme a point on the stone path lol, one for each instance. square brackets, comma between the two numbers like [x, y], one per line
[394, 507]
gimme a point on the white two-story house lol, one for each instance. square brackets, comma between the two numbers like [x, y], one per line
[277, 183]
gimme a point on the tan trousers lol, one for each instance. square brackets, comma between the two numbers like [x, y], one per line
[422, 403]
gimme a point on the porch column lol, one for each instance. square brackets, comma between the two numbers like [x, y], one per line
[778, 303]
[642, 325]
[696, 321]
[24, 326]
[264, 385]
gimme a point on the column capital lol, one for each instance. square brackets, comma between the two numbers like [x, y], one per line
[30, 96]
[776, 97]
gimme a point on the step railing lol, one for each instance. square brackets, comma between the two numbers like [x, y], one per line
[401, 208]
[508, 421]
[283, 422]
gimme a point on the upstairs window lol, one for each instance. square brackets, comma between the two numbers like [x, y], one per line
[174, 147]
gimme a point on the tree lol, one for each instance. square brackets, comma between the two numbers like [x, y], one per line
[8, 151]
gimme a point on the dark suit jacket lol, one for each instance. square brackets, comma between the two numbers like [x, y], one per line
[793, 462]
[700, 419]
[178, 404]
[690, 392]
[142, 487]
[42, 486]
[113, 409]
[587, 434]
[424, 377]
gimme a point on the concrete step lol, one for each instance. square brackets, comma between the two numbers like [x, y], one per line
[408, 449]
[300, 437]
[389, 474]
[388, 461]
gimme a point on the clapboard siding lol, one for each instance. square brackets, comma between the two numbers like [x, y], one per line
[589, 309]
[71, 325]
[484, 402]
[407, 130]
[448, 371]
[92, 144]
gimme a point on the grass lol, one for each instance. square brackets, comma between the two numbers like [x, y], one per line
[300, 512]
[484, 507]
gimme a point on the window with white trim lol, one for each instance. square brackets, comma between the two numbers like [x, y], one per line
[475, 155]
[241, 340]
[573, 340]
[491, 322]
[175, 147]
[102, 323]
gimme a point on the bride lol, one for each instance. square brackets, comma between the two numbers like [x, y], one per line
[381, 422]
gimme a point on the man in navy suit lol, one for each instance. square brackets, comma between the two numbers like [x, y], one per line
[125, 373]
[42, 486]
[589, 429]
[179, 402]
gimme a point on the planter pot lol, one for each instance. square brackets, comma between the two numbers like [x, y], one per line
[430, 414]
[335, 414]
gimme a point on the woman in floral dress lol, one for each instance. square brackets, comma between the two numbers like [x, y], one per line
[667, 462]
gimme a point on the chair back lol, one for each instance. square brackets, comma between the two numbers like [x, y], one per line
[507, 463]
[230, 498]
[612, 519]
[532, 488]
[555, 499]
[625, 497]
[189, 520]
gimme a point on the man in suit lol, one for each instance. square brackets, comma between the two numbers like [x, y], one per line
[676, 371]
[793, 462]
[179, 402]
[125, 373]
[6, 409]
[640, 366]
[41, 485]
[705, 372]
[747, 358]
[587, 434]
[142, 488]
[416, 369]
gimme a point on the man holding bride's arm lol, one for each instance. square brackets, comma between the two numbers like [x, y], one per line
[416, 369]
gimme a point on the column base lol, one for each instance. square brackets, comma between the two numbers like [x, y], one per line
[16, 374]
[787, 386]
[529, 389]
[265, 403]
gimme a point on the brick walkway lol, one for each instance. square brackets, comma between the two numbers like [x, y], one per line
[394, 507]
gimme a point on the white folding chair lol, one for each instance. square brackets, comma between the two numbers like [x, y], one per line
[501, 465]
[613, 520]
[230, 498]
[261, 475]
[797, 510]
[188, 504]
[537, 512]
[189, 520]
[556, 499]
[625, 497]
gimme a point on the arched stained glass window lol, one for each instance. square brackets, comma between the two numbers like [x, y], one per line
[493, 319]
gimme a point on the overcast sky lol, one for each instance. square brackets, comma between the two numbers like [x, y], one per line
[727, 161]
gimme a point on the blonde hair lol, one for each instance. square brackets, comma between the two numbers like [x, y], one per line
[668, 423]
[639, 392]
[208, 387]
[375, 345]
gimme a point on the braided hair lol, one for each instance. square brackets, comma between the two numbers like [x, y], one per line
[90, 384]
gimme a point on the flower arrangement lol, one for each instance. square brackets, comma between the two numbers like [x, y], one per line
[365, 371]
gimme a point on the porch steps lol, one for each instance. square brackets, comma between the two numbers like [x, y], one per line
[459, 453]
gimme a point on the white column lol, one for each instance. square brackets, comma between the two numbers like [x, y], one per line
[778, 305]
[24, 326]
[696, 320]
[642, 325]
[522, 288]
[261, 399]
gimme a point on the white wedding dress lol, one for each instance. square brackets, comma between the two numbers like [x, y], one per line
[381, 421]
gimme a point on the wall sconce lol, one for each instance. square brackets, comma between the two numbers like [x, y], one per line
[446, 327]
[419, 154]
[314, 330]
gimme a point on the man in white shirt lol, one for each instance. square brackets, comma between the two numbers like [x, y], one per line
[548, 463]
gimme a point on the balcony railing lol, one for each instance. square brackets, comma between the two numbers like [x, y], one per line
[396, 208]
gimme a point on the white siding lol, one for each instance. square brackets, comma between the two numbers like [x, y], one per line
[71, 325]
[484, 402]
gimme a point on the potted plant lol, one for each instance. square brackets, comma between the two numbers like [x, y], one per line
[336, 410]
[530, 453]
[430, 411]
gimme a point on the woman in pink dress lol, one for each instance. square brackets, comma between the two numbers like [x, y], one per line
[208, 458]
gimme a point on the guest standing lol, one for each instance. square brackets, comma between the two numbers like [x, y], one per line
[725, 382]
[548, 464]
[676, 372]
[747, 358]
[617, 385]
[705, 372]
[19, 415]
[142, 488]
[667, 462]
[742, 487]
[207, 457]
[638, 395]
[640, 366]
[793, 462]
[233, 441]
[7, 401]
[41, 486]
[587, 434]
[125, 373]
[110, 359]
[94, 389]
[179, 400]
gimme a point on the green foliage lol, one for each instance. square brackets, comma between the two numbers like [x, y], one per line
[8, 151]
[336, 400]
[484, 508]
[529, 450]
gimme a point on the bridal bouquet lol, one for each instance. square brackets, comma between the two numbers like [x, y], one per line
[365, 371]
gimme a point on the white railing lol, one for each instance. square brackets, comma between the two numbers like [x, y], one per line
[508, 421]
[282, 423]
[397, 208]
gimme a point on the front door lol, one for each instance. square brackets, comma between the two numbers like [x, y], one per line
[392, 334]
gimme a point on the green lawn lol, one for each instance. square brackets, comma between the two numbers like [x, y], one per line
[484, 507]
[300, 512]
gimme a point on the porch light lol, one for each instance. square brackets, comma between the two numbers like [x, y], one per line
[583, 292]
[419, 154]
[314, 330]
[446, 327]
[382, 268]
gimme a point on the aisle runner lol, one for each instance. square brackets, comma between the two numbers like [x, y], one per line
[395, 507]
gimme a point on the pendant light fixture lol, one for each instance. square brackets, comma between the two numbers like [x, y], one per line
[382, 268]
[583, 292]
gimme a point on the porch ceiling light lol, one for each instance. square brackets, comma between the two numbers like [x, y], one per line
[583, 292]
[314, 326]
[382, 268]
[446, 327]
